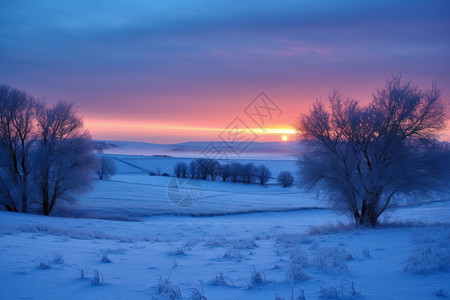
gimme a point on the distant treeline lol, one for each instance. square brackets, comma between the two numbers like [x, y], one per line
[205, 168]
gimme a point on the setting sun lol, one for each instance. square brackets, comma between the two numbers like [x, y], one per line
[284, 138]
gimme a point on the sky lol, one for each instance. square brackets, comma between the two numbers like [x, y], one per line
[175, 71]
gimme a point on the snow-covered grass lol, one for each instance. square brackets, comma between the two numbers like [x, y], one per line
[126, 240]
[431, 255]
[318, 264]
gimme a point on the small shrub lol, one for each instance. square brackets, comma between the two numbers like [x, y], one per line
[198, 294]
[106, 259]
[115, 251]
[215, 242]
[331, 228]
[329, 292]
[298, 261]
[58, 258]
[286, 242]
[180, 251]
[240, 244]
[342, 291]
[331, 260]
[97, 279]
[299, 257]
[257, 277]
[431, 255]
[233, 253]
[354, 292]
[166, 288]
[366, 253]
[190, 243]
[243, 243]
[45, 264]
[295, 273]
[441, 293]
[221, 280]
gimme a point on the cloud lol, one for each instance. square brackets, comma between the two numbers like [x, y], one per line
[103, 53]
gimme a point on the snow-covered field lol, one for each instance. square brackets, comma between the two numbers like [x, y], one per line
[237, 242]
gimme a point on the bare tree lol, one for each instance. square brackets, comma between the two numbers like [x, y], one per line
[184, 170]
[263, 174]
[177, 170]
[194, 169]
[203, 167]
[364, 156]
[286, 179]
[248, 173]
[225, 171]
[106, 168]
[16, 140]
[213, 169]
[207, 167]
[236, 171]
[180, 169]
[64, 163]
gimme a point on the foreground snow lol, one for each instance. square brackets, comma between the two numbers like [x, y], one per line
[218, 255]
[227, 251]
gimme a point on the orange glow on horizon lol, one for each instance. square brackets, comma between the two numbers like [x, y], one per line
[140, 131]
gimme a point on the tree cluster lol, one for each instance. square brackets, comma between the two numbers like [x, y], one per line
[45, 153]
[204, 168]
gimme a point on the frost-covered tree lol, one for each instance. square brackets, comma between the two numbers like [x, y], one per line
[16, 141]
[106, 168]
[63, 161]
[263, 174]
[285, 178]
[363, 156]
[45, 154]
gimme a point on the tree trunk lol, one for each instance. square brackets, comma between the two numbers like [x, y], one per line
[372, 213]
[53, 201]
[45, 204]
[11, 208]
[45, 196]
[363, 216]
[369, 213]
[356, 215]
[24, 197]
